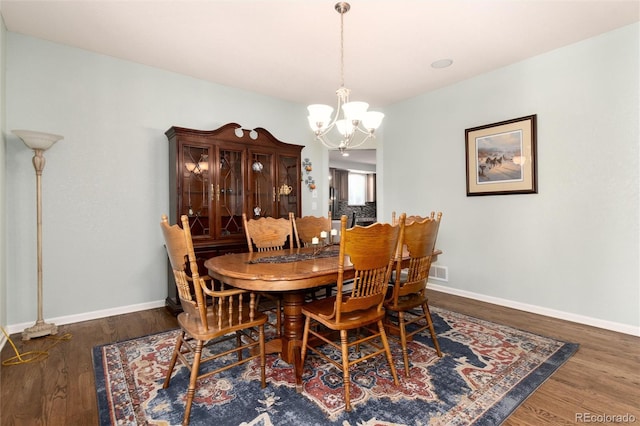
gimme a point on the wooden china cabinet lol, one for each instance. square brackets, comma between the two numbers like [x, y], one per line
[216, 175]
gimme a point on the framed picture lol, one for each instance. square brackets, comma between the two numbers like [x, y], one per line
[501, 158]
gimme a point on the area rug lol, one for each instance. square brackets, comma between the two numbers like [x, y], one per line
[487, 371]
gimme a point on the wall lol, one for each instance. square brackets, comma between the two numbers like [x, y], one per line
[105, 185]
[573, 248]
[3, 204]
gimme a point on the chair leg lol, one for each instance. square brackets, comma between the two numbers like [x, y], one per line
[192, 382]
[387, 349]
[305, 340]
[279, 317]
[432, 330]
[238, 344]
[277, 310]
[263, 376]
[174, 358]
[403, 342]
[345, 369]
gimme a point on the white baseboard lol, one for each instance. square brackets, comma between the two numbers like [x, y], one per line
[70, 319]
[580, 319]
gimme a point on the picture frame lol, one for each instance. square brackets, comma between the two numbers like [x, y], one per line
[501, 158]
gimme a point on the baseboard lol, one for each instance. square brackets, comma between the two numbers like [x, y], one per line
[580, 319]
[70, 319]
[567, 316]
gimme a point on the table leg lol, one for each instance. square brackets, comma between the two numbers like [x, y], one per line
[292, 334]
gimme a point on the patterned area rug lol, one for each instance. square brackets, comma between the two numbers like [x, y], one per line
[486, 372]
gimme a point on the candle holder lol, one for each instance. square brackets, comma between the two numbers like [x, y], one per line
[325, 241]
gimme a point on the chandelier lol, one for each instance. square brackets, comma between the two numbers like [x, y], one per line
[356, 124]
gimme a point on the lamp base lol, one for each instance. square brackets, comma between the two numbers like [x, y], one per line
[38, 330]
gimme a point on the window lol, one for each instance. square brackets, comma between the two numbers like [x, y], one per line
[357, 189]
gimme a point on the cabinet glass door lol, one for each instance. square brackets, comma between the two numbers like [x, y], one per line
[196, 195]
[287, 186]
[261, 185]
[229, 193]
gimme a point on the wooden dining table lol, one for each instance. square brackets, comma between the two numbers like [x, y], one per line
[291, 272]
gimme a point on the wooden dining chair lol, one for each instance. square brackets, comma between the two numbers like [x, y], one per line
[305, 228]
[352, 220]
[372, 251]
[269, 234]
[210, 318]
[411, 218]
[407, 298]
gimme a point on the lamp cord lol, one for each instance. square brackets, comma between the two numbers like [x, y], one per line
[31, 356]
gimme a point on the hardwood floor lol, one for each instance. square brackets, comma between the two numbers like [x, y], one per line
[601, 378]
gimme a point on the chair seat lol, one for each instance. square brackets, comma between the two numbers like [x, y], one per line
[195, 329]
[407, 302]
[320, 309]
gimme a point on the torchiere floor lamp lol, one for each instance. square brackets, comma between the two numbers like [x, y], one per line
[39, 142]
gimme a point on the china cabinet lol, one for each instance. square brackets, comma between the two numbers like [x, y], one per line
[216, 175]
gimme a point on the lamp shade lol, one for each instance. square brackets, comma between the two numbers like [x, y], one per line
[372, 120]
[37, 140]
[354, 111]
[319, 116]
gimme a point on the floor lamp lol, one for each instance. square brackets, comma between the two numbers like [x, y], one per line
[39, 142]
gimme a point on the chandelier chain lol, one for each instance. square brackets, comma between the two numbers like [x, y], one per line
[342, 48]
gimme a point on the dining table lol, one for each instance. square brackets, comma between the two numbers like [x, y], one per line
[290, 272]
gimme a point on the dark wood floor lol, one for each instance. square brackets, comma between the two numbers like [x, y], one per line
[601, 378]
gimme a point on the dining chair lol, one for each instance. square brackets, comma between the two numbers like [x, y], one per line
[217, 314]
[411, 218]
[306, 228]
[371, 250]
[269, 234]
[352, 220]
[407, 298]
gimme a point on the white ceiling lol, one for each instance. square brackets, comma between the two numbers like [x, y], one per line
[291, 49]
[361, 156]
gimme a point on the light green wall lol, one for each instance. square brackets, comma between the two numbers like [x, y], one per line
[105, 185]
[3, 204]
[574, 246]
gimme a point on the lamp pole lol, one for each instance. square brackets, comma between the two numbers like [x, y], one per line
[39, 142]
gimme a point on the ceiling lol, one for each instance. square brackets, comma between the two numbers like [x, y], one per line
[361, 156]
[291, 49]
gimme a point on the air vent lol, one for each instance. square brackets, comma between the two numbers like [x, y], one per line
[439, 273]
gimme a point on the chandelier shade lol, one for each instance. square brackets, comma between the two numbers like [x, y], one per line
[353, 122]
